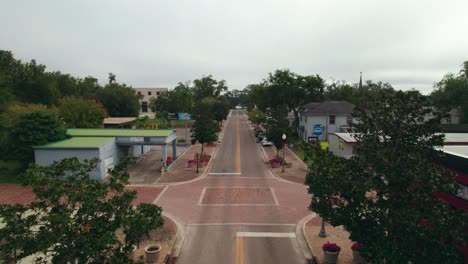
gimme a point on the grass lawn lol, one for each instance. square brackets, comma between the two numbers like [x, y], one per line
[9, 171]
[300, 152]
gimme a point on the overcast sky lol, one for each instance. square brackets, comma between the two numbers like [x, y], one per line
[410, 44]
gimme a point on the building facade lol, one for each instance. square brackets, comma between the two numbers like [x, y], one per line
[108, 145]
[330, 116]
[146, 94]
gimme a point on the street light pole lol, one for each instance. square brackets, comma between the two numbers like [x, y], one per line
[323, 232]
[197, 162]
[284, 145]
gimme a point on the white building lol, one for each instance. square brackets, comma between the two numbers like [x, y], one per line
[342, 144]
[330, 116]
[146, 95]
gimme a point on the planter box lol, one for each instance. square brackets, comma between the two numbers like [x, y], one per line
[330, 257]
[276, 164]
[358, 258]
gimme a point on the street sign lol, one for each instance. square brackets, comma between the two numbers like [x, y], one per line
[185, 116]
[317, 130]
[172, 117]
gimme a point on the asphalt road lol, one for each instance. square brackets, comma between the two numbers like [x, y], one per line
[239, 159]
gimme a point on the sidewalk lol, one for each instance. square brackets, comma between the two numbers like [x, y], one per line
[334, 235]
[297, 173]
[295, 170]
[181, 172]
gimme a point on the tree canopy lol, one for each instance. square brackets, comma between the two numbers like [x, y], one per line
[81, 113]
[383, 194]
[452, 92]
[75, 219]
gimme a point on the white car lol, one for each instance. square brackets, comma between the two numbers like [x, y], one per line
[265, 142]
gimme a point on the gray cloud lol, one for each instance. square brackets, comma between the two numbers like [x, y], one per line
[410, 44]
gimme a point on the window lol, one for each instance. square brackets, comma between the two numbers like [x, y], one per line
[144, 107]
[139, 93]
[149, 93]
[331, 120]
[157, 93]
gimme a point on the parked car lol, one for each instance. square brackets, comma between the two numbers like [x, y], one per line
[265, 142]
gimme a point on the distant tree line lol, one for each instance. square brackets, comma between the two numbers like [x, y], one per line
[37, 106]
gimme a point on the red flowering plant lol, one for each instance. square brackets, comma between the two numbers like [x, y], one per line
[356, 247]
[331, 247]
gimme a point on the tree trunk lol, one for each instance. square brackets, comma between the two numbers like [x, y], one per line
[202, 150]
[296, 120]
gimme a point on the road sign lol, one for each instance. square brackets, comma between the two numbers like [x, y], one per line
[317, 130]
[185, 116]
[172, 117]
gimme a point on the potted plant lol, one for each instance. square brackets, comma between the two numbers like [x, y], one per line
[152, 253]
[357, 256]
[331, 251]
[276, 163]
[190, 163]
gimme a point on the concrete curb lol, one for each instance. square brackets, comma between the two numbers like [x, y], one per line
[180, 236]
[301, 228]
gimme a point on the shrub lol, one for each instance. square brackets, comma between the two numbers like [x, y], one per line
[356, 247]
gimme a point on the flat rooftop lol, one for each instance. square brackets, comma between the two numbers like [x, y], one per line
[118, 132]
[118, 120]
[450, 138]
[79, 142]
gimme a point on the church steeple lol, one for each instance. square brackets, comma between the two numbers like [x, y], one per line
[360, 81]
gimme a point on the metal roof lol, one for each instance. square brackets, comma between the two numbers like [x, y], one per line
[450, 138]
[79, 142]
[119, 132]
[328, 108]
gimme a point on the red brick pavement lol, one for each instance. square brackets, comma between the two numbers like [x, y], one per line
[13, 194]
[295, 171]
[183, 201]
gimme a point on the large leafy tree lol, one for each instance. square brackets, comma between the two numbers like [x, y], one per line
[276, 127]
[75, 219]
[119, 100]
[452, 92]
[81, 113]
[382, 195]
[34, 129]
[204, 130]
[207, 86]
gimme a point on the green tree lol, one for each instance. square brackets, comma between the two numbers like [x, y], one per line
[257, 117]
[452, 92]
[382, 195]
[119, 100]
[75, 219]
[275, 130]
[207, 86]
[34, 129]
[204, 130]
[81, 113]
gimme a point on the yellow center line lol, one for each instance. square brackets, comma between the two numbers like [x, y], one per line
[239, 250]
[238, 160]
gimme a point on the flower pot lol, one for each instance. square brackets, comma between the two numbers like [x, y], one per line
[276, 164]
[131, 254]
[358, 258]
[190, 164]
[330, 257]
[152, 253]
